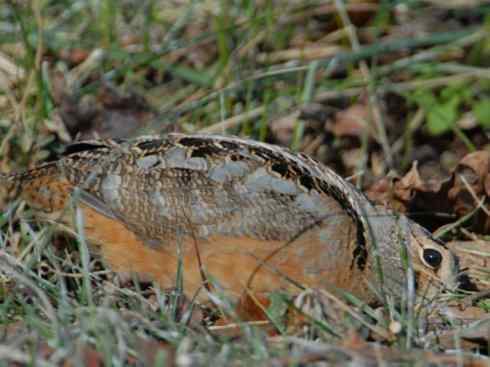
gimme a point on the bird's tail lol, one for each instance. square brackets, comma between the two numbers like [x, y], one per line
[43, 187]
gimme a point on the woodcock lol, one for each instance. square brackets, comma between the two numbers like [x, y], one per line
[243, 213]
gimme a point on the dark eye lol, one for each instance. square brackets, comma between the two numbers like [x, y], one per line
[432, 257]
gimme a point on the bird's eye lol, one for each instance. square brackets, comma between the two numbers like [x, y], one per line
[432, 257]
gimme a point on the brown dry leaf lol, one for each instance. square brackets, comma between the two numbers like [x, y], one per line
[283, 128]
[351, 158]
[382, 193]
[352, 121]
[399, 193]
[250, 310]
[251, 307]
[469, 187]
[409, 184]
[419, 195]
[460, 194]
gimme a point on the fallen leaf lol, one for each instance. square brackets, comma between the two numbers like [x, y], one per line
[352, 121]
[282, 129]
[453, 197]
[252, 308]
[409, 184]
[469, 186]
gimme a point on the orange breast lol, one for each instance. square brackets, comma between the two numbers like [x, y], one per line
[230, 261]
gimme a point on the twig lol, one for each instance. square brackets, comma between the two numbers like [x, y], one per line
[234, 121]
[239, 325]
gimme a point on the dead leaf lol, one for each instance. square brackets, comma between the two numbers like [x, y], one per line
[382, 193]
[469, 187]
[252, 307]
[283, 128]
[456, 196]
[409, 184]
[352, 121]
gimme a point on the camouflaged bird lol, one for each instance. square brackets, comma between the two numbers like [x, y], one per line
[249, 214]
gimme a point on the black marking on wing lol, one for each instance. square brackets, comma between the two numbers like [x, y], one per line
[230, 146]
[280, 168]
[193, 142]
[360, 254]
[201, 148]
[81, 147]
[205, 151]
[266, 154]
[307, 182]
[235, 157]
[150, 144]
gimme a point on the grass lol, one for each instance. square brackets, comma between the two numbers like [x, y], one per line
[235, 67]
